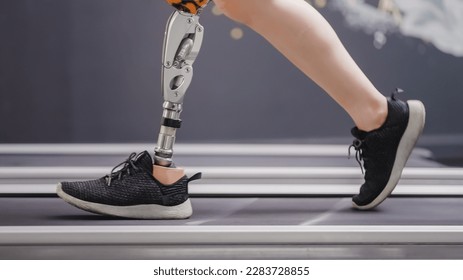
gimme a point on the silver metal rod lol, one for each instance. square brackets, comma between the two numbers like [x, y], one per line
[262, 189]
[209, 172]
[211, 149]
[270, 235]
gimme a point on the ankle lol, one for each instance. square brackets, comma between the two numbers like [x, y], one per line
[374, 116]
[167, 175]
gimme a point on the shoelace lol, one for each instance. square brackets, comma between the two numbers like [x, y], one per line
[357, 145]
[128, 165]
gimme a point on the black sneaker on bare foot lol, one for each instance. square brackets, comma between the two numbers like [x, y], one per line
[385, 151]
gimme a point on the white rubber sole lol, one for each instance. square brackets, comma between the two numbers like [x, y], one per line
[144, 211]
[407, 143]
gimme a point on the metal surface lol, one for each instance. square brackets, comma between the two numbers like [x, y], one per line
[182, 42]
[176, 61]
[236, 172]
[270, 189]
[209, 149]
[217, 252]
[229, 235]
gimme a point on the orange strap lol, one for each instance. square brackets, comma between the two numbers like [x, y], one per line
[189, 6]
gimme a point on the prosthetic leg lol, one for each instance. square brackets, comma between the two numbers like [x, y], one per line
[182, 42]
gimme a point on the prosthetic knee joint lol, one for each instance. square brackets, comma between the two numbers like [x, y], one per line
[182, 42]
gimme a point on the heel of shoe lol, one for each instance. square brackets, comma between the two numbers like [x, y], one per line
[417, 116]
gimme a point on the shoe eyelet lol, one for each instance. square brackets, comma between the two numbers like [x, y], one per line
[357, 143]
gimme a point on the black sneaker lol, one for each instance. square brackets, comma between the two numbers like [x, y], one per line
[131, 192]
[385, 151]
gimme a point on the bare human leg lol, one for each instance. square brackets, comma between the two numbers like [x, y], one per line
[304, 37]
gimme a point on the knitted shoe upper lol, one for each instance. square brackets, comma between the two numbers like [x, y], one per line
[133, 184]
[378, 149]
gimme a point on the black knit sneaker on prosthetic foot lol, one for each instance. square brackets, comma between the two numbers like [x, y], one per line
[131, 192]
[385, 151]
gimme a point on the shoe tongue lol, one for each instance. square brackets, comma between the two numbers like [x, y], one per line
[144, 161]
[357, 133]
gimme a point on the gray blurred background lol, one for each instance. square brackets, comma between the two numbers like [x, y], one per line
[78, 71]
